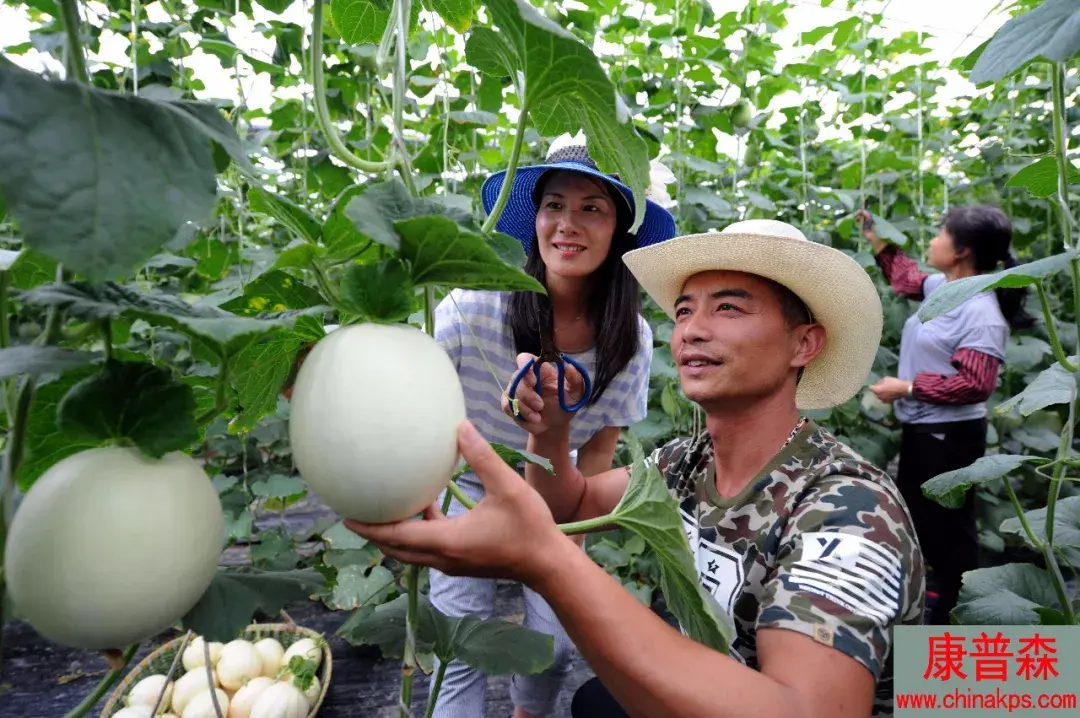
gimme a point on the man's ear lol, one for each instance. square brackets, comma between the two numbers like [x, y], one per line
[811, 340]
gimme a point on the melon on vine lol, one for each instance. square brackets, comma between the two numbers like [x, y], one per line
[375, 414]
[111, 546]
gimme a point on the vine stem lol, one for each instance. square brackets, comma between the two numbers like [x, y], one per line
[171, 673]
[5, 333]
[460, 495]
[210, 678]
[400, 158]
[76, 61]
[322, 112]
[105, 684]
[1051, 330]
[221, 399]
[1047, 546]
[511, 170]
[573, 527]
[106, 337]
[435, 688]
[1035, 540]
[593, 524]
[1061, 151]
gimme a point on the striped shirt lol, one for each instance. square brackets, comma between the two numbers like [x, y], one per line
[483, 334]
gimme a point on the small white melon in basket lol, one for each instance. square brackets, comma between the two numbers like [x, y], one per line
[202, 705]
[190, 685]
[305, 648]
[271, 651]
[239, 663]
[146, 692]
[244, 699]
[195, 655]
[134, 712]
[281, 700]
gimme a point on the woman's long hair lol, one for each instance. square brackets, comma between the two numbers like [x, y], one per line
[987, 232]
[613, 303]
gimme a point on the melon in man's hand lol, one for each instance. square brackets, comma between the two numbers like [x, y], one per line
[375, 415]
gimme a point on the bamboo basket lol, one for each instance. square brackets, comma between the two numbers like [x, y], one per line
[161, 660]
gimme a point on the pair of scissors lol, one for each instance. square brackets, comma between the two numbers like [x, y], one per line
[548, 353]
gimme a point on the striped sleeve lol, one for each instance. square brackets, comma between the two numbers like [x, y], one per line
[845, 569]
[902, 271]
[974, 381]
[448, 328]
[632, 406]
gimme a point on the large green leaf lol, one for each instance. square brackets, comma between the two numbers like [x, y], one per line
[99, 180]
[948, 489]
[225, 332]
[29, 359]
[379, 291]
[566, 90]
[1050, 31]
[952, 294]
[46, 444]
[1052, 386]
[376, 209]
[516, 458]
[31, 269]
[131, 401]
[492, 54]
[1066, 526]
[1041, 178]
[887, 230]
[238, 595]
[493, 646]
[297, 219]
[356, 586]
[259, 372]
[341, 238]
[458, 14]
[275, 291]
[360, 22]
[649, 510]
[1006, 595]
[440, 252]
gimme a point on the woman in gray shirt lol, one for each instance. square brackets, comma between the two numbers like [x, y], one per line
[948, 369]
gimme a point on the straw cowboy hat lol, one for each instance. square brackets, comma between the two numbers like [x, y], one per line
[835, 288]
[518, 218]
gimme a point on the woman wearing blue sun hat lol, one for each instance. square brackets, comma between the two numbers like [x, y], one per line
[573, 222]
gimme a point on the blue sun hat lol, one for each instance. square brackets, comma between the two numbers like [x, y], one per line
[519, 216]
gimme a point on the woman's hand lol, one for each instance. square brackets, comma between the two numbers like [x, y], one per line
[866, 226]
[889, 389]
[542, 413]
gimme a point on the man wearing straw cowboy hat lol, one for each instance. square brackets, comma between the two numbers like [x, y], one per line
[807, 545]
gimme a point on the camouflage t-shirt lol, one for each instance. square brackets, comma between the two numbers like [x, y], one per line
[820, 543]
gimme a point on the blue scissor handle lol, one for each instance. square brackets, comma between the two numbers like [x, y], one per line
[560, 366]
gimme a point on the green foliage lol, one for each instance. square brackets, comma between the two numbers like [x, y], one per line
[212, 241]
[131, 402]
[493, 646]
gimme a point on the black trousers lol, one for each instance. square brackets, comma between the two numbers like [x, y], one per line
[949, 537]
[592, 700]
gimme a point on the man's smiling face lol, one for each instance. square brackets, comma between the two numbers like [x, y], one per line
[738, 338]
